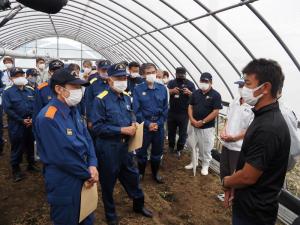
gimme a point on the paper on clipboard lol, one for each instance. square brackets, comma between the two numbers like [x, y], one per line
[136, 141]
[89, 201]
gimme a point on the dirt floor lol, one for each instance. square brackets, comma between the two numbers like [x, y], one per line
[183, 199]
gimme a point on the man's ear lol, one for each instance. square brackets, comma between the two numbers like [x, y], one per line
[267, 88]
[110, 81]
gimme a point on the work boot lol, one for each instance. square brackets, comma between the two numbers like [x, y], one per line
[17, 175]
[32, 168]
[142, 168]
[112, 222]
[155, 175]
[138, 207]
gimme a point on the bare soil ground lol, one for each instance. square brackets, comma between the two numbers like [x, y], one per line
[182, 200]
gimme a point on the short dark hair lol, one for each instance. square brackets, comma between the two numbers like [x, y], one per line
[133, 64]
[145, 66]
[266, 70]
[73, 66]
[39, 59]
[166, 73]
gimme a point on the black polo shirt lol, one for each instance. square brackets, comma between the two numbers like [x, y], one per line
[204, 104]
[179, 103]
[266, 147]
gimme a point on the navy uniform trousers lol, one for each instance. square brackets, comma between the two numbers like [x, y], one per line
[114, 159]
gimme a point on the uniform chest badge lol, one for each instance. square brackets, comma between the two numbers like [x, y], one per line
[144, 93]
[49, 97]
[69, 132]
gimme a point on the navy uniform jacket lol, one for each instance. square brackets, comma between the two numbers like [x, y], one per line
[97, 85]
[63, 140]
[150, 105]
[18, 105]
[110, 113]
[179, 103]
[66, 150]
[43, 95]
[132, 83]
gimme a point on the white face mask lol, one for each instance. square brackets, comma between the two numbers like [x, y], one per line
[160, 81]
[120, 86]
[87, 70]
[166, 80]
[135, 75]
[74, 97]
[151, 78]
[240, 91]
[248, 95]
[42, 66]
[203, 86]
[20, 81]
[8, 65]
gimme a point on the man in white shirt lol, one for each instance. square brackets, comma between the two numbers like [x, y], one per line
[239, 117]
[42, 72]
[9, 64]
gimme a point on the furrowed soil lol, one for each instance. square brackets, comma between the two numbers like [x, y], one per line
[181, 200]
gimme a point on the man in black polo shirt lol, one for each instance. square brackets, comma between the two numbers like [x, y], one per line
[264, 155]
[204, 107]
[180, 90]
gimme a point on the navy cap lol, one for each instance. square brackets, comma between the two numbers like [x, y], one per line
[206, 76]
[32, 72]
[65, 76]
[104, 64]
[180, 70]
[117, 70]
[55, 64]
[16, 71]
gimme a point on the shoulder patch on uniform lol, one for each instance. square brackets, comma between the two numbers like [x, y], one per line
[31, 88]
[93, 80]
[51, 112]
[42, 85]
[102, 94]
[126, 93]
[8, 87]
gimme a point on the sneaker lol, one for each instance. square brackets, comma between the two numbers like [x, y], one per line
[204, 170]
[190, 166]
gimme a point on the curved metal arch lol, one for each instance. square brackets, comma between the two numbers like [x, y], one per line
[275, 34]
[48, 36]
[66, 17]
[205, 35]
[62, 18]
[233, 34]
[180, 49]
[129, 33]
[119, 33]
[160, 43]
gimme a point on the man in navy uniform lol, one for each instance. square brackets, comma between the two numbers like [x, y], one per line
[43, 93]
[66, 149]
[134, 78]
[113, 125]
[150, 104]
[180, 90]
[18, 101]
[98, 84]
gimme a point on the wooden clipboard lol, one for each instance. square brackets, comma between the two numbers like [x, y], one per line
[136, 142]
[89, 201]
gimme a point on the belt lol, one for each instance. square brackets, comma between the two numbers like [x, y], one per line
[117, 138]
